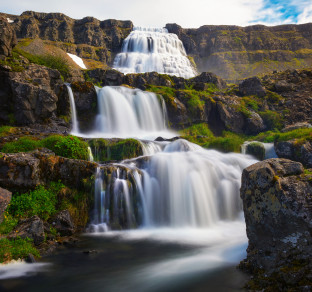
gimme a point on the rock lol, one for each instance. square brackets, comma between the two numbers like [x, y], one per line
[296, 126]
[7, 38]
[5, 199]
[30, 259]
[296, 151]
[254, 124]
[256, 149]
[207, 77]
[252, 86]
[20, 171]
[278, 212]
[29, 228]
[63, 223]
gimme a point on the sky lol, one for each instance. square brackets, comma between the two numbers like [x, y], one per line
[188, 14]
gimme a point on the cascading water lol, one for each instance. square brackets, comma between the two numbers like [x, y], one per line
[148, 50]
[181, 186]
[75, 127]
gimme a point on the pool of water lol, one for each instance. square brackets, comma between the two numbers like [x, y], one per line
[142, 260]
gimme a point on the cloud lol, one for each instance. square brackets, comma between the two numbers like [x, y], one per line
[306, 15]
[187, 13]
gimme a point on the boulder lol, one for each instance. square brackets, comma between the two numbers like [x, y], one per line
[7, 38]
[296, 126]
[252, 86]
[5, 199]
[253, 124]
[29, 228]
[277, 205]
[296, 151]
[63, 223]
[207, 77]
[256, 149]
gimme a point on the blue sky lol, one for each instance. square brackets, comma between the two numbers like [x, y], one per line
[190, 13]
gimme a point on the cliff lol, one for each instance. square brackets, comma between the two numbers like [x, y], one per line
[235, 52]
[88, 38]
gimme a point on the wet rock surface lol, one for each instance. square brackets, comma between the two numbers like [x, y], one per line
[277, 200]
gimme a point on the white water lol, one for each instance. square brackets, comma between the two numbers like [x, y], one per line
[148, 50]
[269, 149]
[126, 113]
[183, 185]
[75, 127]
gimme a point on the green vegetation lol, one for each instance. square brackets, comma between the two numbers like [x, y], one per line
[106, 150]
[202, 135]
[66, 146]
[40, 202]
[8, 223]
[50, 61]
[301, 135]
[13, 249]
[273, 120]
[6, 130]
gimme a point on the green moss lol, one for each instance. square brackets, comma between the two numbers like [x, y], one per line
[8, 223]
[273, 120]
[65, 146]
[106, 150]
[273, 97]
[302, 135]
[16, 248]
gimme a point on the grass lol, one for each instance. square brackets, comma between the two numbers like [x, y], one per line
[16, 248]
[65, 146]
[6, 130]
[202, 135]
[301, 135]
[50, 61]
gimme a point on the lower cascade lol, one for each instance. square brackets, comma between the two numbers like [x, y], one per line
[148, 50]
[181, 185]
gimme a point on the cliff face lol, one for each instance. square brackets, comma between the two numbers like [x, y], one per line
[234, 52]
[87, 37]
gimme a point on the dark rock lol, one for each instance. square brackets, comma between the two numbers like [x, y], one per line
[5, 199]
[207, 77]
[252, 86]
[254, 124]
[277, 205]
[90, 251]
[256, 149]
[30, 259]
[29, 228]
[296, 151]
[7, 38]
[63, 223]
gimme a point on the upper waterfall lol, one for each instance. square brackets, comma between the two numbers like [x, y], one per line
[150, 49]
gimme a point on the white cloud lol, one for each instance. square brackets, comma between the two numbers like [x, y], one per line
[306, 15]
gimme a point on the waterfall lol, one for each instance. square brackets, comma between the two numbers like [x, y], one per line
[129, 112]
[183, 185]
[148, 50]
[75, 127]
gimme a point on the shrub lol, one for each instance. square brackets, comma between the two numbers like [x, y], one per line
[8, 223]
[16, 248]
[67, 146]
[272, 120]
[40, 202]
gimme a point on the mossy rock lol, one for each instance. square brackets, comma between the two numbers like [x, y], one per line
[256, 149]
[115, 149]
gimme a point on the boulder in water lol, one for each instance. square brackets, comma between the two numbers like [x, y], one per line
[276, 197]
[256, 149]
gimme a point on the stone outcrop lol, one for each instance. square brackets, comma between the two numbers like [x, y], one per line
[63, 223]
[29, 228]
[84, 37]
[235, 52]
[22, 171]
[7, 38]
[256, 149]
[277, 200]
[5, 199]
[296, 151]
[30, 96]
[252, 86]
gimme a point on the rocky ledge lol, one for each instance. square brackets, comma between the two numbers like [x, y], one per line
[277, 199]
